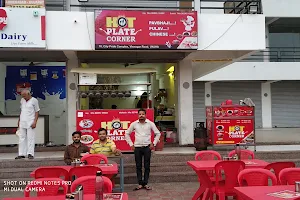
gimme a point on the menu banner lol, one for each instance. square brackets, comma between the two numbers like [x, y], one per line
[233, 131]
[115, 121]
[147, 30]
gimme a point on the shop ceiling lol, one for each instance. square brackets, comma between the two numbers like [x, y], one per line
[92, 56]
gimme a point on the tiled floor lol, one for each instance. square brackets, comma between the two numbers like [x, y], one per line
[160, 191]
[169, 150]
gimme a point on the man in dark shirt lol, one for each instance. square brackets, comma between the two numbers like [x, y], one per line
[74, 151]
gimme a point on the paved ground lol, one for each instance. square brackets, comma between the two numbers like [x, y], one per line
[161, 191]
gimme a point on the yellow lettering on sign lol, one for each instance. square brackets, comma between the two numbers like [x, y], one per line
[108, 125]
[112, 22]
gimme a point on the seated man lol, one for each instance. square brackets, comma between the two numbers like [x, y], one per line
[74, 151]
[104, 145]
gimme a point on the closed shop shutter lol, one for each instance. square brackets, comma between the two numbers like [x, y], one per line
[198, 102]
[142, 5]
[286, 104]
[236, 91]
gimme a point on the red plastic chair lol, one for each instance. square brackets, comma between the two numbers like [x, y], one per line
[51, 172]
[276, 167]
[256, 177]
[46, 187]
[245, 154]
[88, 183]
[208, 155]
[83, 171]
[289, 176]
[230, 169]
[94, 159]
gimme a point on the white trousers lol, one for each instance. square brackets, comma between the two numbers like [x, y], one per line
[26, 141]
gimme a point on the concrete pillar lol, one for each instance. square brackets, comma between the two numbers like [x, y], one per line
[267, 54]
[71, 87]
[207, 94]
[184, 81]
[266, 104]
[2, 87]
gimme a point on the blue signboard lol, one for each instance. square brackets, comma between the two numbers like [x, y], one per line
[43, 82]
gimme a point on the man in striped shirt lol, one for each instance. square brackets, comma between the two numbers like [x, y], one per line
[104, 145]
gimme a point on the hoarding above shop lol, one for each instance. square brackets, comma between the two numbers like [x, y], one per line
[25, 3]
[145, 30]
[22, 27]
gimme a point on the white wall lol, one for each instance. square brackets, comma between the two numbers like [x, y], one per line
[255, 71]
[2, 87]
[281, 8]
[226, 32]
[231, 32]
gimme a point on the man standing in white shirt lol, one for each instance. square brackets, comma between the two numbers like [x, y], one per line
[142, 146]
[26, 124]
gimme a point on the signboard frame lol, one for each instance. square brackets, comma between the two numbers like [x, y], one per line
[241, 117]
[146, 30]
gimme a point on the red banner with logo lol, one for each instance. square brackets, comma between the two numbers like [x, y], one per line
[234, 131]
[230, 124]
[124, 29]
[116, 122]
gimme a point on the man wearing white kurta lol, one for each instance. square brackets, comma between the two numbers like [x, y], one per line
[27, 123]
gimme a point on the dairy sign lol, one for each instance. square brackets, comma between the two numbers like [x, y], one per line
[20, 27]
[123, 29]
[116, 122]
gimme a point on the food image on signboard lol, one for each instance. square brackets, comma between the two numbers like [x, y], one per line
[85, 139]
[189, 43]
[194, 34]
[249, 138]
[86, 123]
[186, 34]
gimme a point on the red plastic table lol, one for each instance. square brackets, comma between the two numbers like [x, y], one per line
[107, 170]
[201, 166]
[61, 197]
[261, 192]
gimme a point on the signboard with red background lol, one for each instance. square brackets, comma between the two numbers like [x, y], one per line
[124, 29]
[115, 121]
[230, 124]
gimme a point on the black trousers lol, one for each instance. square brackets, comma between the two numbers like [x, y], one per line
[140, 153]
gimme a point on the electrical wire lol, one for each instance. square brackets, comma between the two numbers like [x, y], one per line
[87, 26]
[223, 34]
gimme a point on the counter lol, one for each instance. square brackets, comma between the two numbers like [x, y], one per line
[9, 125]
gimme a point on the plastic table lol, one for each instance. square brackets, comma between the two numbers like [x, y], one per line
[63, 197]
[263, 192]
[201, 166]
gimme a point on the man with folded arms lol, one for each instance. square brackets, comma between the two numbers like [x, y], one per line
[104, 145]
[142, 146]
[75, 150]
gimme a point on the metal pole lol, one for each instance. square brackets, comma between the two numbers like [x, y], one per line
[121, 174]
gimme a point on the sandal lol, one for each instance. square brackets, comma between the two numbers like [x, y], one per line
[147, 187]
[138, 188]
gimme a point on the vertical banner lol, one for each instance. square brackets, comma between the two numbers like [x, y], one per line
[115, 121]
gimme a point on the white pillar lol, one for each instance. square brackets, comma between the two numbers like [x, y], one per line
[267, 54]
[184, 80]
[2, 87]
[72, 80]
[207, 94]
[266, 104]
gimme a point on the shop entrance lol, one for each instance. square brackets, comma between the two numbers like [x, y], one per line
[111, 93]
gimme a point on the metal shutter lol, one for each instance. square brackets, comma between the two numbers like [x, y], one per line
[236, 91]
[198, 102]
[117, 4]
[286, 104]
